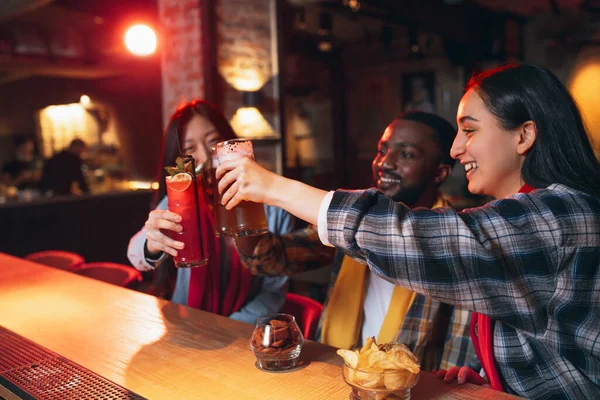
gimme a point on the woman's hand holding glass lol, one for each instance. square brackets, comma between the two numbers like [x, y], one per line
[244, 180]
[158, 241]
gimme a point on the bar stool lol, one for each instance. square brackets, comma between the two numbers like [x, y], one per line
[116, 274]
[64, 260]
[306, 311]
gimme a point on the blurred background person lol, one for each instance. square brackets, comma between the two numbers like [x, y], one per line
[22, 172]
[63, 174]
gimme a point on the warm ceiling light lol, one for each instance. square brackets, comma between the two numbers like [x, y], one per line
[584, 85]
[248, 122]
[140, 40]
[84, 100]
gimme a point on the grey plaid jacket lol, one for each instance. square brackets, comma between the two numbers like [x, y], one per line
[530, 262]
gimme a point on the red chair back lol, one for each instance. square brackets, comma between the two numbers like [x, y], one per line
[117, 274]
[65, 260]
[306, 311]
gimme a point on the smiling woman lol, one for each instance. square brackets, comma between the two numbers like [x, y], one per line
[491, 155]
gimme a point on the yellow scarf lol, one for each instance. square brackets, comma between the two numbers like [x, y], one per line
[344, 312]
[343, 317]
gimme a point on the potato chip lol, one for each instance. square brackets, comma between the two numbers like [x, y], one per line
[399, 347]
[385, 364]
[404, 361]
[368, 344]
[385, 346]
[369, 377]
[349, 356]
[363, 359]
[376, 356]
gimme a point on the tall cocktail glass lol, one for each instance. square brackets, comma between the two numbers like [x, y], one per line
[184, 196]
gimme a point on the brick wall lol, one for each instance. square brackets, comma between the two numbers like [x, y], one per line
[245, 48]
[245, 53]
[182, 72]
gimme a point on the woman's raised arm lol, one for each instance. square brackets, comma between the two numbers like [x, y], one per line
[245, 180]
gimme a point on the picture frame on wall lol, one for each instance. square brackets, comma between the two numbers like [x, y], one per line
[418, 92]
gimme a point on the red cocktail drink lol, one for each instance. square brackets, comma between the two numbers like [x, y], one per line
[184, 195]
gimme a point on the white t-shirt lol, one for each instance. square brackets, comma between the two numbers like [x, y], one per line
[377, 301]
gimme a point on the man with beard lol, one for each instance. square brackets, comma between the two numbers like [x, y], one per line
[413, 159]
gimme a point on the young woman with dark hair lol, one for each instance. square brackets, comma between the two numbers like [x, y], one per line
[224, 287]
[515, 94]
[527, 263]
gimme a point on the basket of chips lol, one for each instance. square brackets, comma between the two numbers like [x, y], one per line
[380, 372]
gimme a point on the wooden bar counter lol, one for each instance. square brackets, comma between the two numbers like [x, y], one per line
[161, 350]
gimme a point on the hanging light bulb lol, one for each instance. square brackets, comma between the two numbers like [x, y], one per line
[353, 4]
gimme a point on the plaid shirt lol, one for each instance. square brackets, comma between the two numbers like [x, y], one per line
[530, 262]
[419, 325]
[302, 250]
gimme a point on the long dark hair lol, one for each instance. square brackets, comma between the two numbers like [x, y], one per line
[173, 137]
[562, 152]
